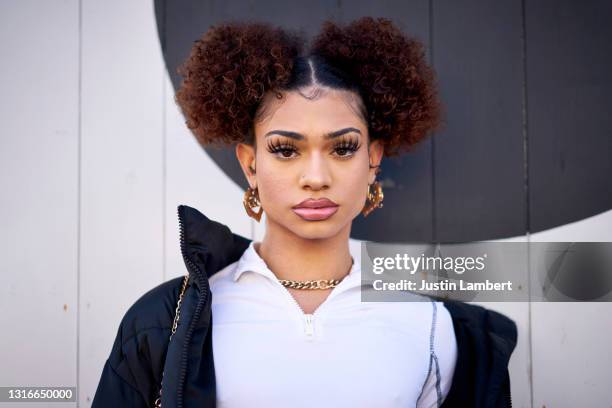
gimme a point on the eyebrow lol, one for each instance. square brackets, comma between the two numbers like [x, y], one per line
[327, 136]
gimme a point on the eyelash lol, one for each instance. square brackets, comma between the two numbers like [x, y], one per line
[276, 147]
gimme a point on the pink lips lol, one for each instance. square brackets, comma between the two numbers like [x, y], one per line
[316, 210]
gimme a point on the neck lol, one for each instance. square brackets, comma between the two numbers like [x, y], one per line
[292, 257]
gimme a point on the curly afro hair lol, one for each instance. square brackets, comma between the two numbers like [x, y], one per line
[235, 64]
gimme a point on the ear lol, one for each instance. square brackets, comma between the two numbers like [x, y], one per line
[246, 156]
[376, 154]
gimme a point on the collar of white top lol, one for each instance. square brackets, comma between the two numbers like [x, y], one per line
[251, 261]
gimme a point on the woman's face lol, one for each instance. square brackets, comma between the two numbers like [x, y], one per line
[311, 149]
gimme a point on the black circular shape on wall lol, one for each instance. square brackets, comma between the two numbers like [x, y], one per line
[514, 156]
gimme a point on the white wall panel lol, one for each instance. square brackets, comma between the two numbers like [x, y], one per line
[39, 183]
[122, 169]
[572, 359]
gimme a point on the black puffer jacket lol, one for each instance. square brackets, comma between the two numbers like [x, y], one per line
[141, 351]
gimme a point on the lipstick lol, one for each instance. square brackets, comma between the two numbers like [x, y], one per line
[316, 209]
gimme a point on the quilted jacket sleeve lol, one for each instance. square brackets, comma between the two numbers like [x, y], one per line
[115, 391]
[131, 376]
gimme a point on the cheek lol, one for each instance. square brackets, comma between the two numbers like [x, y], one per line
[269, 182]
[273, 187]
[355, 177]
[354, 185]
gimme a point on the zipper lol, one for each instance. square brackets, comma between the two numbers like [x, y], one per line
[309, 324]
[191, 267]
[308, 318]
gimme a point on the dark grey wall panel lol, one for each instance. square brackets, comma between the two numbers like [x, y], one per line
[569, 65]
[407, 181]
[478, 157]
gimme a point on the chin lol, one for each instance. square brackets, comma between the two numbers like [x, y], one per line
[317, 229]
[306, 229]
[315, 233]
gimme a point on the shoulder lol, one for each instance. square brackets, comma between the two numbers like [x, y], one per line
[476, 318]
[146, 324]
[154, 309]
[442, 338]
[485, 342]
[443, 324]
[133, 368]
[442, 357]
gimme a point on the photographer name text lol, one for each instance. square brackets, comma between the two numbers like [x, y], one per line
[443, 285]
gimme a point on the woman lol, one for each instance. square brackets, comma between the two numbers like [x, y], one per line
[280, 322]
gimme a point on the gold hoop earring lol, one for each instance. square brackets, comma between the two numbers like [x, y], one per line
[250, 201]
[375, 198]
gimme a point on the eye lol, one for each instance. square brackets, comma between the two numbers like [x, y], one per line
[283, 150]
[346, 148]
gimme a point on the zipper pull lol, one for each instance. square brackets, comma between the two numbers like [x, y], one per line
[309, 326]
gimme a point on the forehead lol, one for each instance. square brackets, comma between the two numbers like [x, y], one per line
[328, 111]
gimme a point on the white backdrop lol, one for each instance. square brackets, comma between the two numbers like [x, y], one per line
[95, 158]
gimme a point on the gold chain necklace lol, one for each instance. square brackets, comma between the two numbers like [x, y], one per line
[311, 284]
[314, 284]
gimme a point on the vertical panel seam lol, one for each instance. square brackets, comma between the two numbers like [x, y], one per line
[79, 181]
[524, 119]
[527, 195]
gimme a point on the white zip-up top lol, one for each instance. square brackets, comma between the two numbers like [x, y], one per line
[268, 352]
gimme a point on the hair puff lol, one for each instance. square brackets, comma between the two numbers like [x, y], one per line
[235, 64]
[227, 74]
[397, 84]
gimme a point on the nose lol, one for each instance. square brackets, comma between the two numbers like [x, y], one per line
[316, 174]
